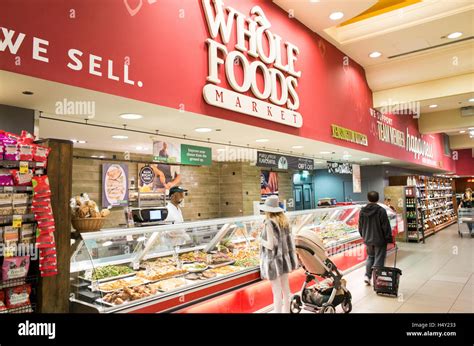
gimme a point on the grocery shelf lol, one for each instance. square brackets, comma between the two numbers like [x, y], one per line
[13, 189]
[16, 164]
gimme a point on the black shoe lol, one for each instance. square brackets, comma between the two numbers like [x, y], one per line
[367, 280]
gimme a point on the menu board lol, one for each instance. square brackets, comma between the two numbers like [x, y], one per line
[114, 185]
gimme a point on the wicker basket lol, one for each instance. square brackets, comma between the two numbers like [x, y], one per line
[90, 224]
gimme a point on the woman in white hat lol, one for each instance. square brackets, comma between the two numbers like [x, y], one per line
[277, 253]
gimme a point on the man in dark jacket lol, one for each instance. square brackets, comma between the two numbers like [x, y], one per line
[374, 227]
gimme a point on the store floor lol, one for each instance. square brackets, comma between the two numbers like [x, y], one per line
[438, 276]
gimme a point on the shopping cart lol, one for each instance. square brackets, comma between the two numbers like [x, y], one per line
[465, 220]
[386, 279]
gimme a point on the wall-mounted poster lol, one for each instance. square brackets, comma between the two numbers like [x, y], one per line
[339, 167]
[114, 185]
[157, 177]
[356, 182]
[268, 183]
[166, 152]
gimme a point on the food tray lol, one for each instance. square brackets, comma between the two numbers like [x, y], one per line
[189, 270]
[212, 266]
[145, 281]
[112, 278]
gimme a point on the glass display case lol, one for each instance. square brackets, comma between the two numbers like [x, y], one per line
[164, 268]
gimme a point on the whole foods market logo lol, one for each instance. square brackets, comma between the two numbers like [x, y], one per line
[257, 51]
[147, 175]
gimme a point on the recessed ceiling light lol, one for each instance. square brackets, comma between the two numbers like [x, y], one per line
[325, 152]
[297, 147]
[385, 162]
[262, 140]
[94, 156]
[471, 100]
[365, 159]
[375, 55]
[336, 15]
[26, 92]
[313, 1]
[462, 131]
[454, 35]
[101, 157]
[203, 129]
[119, 137]
[131, 116]
[433, 106]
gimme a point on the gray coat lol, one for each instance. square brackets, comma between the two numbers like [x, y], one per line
[282, 259]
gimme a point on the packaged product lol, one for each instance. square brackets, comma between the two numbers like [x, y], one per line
[10, 151]
[27, 233]
[23, 210]
[41, 187]
[1, 149]
[40, 153]
[5, 198]
[25, 151]
[46, 216]
[6, 179]
[3, 308]
[18, 296]
[20, 198]
[6, 211]
[22, 179]
[15, 267]
[27, 137]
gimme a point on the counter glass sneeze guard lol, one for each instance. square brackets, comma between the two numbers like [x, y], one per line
[117, 269]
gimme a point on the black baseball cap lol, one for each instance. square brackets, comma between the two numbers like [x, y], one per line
[175, 189]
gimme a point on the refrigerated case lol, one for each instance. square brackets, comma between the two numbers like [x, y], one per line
[167, 268]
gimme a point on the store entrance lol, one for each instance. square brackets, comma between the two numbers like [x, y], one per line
[304, 197]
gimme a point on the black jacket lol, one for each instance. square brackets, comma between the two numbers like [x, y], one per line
[374, 226]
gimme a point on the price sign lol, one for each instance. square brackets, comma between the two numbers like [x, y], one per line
[23, 167]
[17, 221]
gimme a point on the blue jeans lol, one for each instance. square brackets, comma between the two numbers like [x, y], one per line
[375, 257]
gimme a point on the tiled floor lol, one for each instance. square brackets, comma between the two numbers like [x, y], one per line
[436, 277]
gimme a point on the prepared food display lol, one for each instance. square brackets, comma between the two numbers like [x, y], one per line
[159, 273]
[196, 256]
[207, 274]
[195, 267]
[169, 284]
[106, 272]
[225, 270]
[129, 294]
[121, 283]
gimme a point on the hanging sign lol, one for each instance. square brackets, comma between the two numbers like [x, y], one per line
[194, 155]
[339, 167]
[114, 185]
[278, 161]
[356, 182]
[257, 51]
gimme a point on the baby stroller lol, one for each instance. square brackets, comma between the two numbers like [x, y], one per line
[325, 295]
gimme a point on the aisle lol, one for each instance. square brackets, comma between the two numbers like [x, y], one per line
[437, 277]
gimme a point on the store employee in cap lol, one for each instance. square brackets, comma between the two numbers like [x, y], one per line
[176, 195]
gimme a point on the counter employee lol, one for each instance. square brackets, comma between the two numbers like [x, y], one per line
[176, 195]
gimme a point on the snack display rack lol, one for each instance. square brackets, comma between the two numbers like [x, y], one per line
[167, 271]
[6, 221]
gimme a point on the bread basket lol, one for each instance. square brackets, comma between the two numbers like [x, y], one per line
[89, 224]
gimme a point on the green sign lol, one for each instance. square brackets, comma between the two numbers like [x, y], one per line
[193, 155]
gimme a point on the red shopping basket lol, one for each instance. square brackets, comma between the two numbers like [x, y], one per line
[386, 279]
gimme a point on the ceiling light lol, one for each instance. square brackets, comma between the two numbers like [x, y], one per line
[471, 99]
[375, 55]
[26, 92]
[297, 147]
[94, 156]
[203, 129]
[433, 106]
[119, 137]
[101, 157]
[325, 152]
[78, 141]
[336, 15]
[462, 131]
[454, 35]
[131, 116]
[262, 140]
[471, 132]
[313, 1]
[365, 159]
[385, 162]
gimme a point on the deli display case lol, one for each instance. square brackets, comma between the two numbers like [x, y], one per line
[167, 268]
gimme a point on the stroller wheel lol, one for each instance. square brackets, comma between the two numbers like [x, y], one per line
[328, 310]
[295, 304]
[346, 306]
